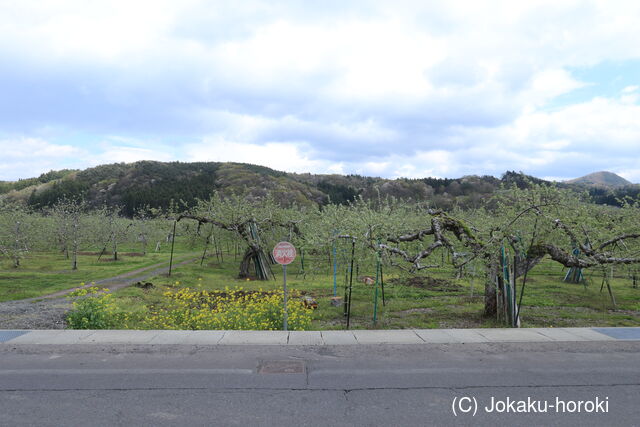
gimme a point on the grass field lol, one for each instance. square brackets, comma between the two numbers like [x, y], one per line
[433, 299]
[45, 273]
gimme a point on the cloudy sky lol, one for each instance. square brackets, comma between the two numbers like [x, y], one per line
[402, 88]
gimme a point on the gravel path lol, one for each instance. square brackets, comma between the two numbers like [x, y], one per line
[48, 311]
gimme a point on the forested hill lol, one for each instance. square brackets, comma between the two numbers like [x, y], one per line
[157, 184]
[601, 179]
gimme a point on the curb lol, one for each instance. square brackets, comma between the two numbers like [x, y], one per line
[318, 338]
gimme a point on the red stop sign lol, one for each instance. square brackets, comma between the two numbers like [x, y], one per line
[284, 253]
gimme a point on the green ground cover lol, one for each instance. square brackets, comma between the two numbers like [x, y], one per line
[431, 300]
[42, 273]
[516, 224]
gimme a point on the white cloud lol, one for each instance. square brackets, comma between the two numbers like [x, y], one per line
[28, 157]
[375, 168]
[85, 31]
[555, 145]
[549, 84]
[437, 163]
[288, 156]
[600, 124]
[409, 89]
[632, 174]
[554, 178]
[117, 154]
[253, 128]
[25, 148]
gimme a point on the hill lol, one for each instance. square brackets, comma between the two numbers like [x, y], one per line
[601, 179]
[159, 184]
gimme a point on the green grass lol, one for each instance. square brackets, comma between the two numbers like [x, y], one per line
[44, 273]
[547, 300]
[449, 304]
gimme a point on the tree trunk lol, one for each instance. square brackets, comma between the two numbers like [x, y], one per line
[256, 255]
[245, 264]
[490, 291]
[74, 263]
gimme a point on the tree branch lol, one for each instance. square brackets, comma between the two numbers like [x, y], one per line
[618, 239]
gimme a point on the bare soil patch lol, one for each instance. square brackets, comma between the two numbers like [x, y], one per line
[427, 282]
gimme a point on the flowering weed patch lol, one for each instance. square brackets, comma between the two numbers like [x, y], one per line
[228, 309]
[95, 309]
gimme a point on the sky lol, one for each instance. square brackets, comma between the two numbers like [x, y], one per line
[379, 88]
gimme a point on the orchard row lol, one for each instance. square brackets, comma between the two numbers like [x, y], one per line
[523, 225]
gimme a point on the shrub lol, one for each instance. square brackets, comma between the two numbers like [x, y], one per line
[94, 309]
[228, 309]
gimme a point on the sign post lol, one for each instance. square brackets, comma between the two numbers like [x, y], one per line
[284, 253]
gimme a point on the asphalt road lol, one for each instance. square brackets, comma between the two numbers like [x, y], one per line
[402, 385]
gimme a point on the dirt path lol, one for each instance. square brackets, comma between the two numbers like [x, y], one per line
[48, 311]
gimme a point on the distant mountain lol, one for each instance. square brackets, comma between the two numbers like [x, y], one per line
[601, 179]
[158, 185]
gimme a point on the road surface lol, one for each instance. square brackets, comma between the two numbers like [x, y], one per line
[392, 385]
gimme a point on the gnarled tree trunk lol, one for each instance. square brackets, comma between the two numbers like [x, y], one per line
[245, 264]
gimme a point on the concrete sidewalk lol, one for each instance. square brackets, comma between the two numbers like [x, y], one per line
[317, 338]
